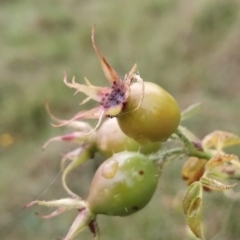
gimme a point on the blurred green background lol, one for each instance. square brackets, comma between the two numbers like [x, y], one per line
[191, 48]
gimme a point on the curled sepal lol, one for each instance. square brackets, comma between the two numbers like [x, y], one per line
[190, 111]
[77, 157]
[192, 208]
[95, 113]
[75, 137]
[215, 185]
[63, 205]
[83, 219]
[77, 125]
[220, 139]
[69, 157]
[219, 160]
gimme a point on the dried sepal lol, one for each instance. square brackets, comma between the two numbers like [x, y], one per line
[215, 184]
[64, 203]
[84, 218]
[53, 214]
[87, 99]
[220, 139]
[75, 137]
[69, 157]
[93, 92]
[94, 113]
[193, 169]
[219, 160]
[78, 156]
[77, 125]
[111, 99]
[109, 72]
[83, 129]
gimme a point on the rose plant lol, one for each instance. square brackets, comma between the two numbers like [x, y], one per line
[141, 115]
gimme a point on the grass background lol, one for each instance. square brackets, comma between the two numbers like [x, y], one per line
[191, 48]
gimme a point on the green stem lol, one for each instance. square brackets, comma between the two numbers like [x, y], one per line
[190, 149]
[184, 139]
[163, 155]
[199, 154]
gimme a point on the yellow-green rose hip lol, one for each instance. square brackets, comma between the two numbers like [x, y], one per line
[157, 117]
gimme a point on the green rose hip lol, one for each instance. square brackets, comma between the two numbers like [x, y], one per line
[155, 120]
[123, 184]
[110, 139]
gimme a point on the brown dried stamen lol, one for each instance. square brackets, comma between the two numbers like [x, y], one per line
[115, 97]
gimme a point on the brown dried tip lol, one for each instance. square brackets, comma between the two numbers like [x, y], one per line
[109, 72]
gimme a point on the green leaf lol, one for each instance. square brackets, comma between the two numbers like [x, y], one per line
[194, 217]
[190, 111]
[215, 184]
[194, 190]
[219, 160]
[192, 207]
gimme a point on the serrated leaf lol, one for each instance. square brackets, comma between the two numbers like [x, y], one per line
[193, 191]
[190, 111]
[220, 139]
[194, 217]
[192, 207]
[215, 184]
[218, 160]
